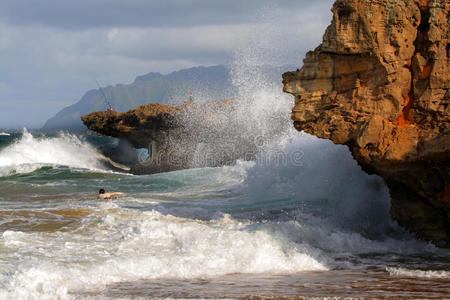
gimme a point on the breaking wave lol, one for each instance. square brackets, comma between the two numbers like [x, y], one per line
[151, 245]
[30, 153]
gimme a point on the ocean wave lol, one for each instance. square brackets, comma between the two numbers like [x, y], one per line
[133, 245]
[30, 153]
[116, 244]
[4, 134]
[149, 245]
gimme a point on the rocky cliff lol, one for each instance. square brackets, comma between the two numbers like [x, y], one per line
[379, 83]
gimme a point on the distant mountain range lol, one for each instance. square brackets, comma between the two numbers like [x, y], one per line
[205, 83]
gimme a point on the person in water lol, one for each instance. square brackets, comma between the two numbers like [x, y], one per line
[103, 195]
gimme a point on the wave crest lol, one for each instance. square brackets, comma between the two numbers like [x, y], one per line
[30, 153]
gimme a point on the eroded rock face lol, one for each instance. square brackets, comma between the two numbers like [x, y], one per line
[379, 83]
[139, 126]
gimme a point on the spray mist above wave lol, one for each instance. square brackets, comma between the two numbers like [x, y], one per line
[260, 113]
[30, 153]
[314, 176]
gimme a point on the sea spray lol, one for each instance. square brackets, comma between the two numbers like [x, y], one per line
[321, 179]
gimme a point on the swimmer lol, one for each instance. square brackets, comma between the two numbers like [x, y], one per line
[103, 195]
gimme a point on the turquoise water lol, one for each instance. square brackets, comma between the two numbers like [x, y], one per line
[312, 226]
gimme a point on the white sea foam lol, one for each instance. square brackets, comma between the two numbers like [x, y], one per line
[133, 246]
[402, 272]
[30, 153]
[4, 134]
[114, 245]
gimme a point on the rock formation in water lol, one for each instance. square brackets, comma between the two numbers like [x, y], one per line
[379, 83]
[139, 126]
[195, 134]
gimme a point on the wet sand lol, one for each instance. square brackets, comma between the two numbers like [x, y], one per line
[338, 284]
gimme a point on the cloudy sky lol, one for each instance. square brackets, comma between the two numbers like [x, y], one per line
[52, 51]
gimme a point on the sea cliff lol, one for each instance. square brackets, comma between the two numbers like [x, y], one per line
[379, 83]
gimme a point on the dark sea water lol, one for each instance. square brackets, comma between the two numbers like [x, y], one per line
[312, 225]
